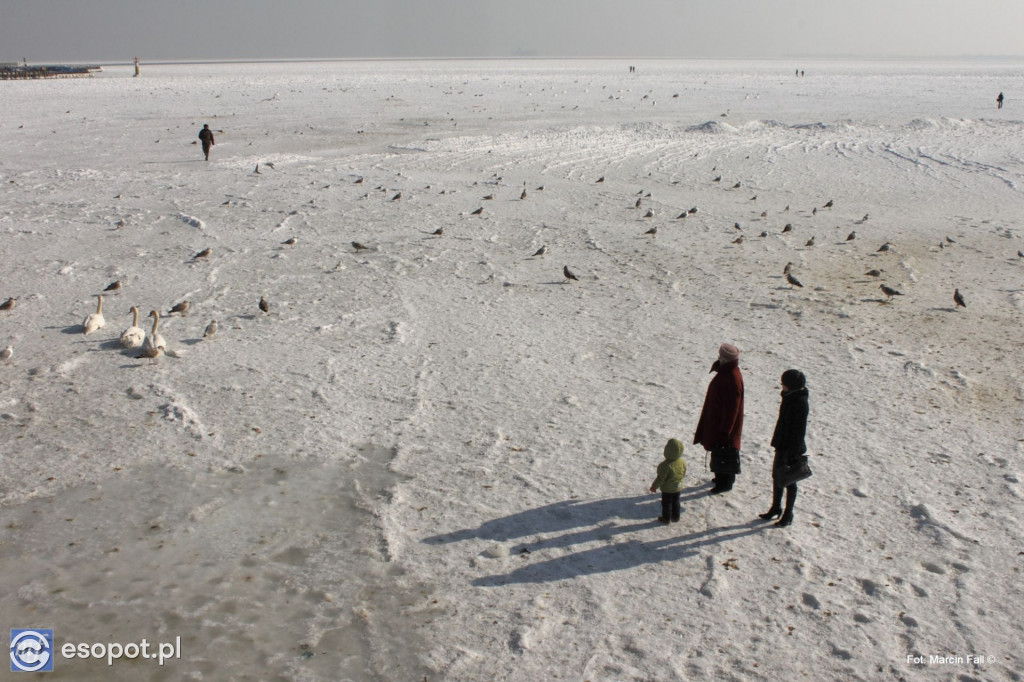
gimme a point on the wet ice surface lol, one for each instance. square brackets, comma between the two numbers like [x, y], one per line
[499, 525]
[230, 560]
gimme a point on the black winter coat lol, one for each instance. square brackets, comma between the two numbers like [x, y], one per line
[790, 429]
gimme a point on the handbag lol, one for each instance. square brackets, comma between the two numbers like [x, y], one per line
[725, 460]
[795, 470]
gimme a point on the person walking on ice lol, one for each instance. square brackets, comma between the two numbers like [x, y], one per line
[671, 472]
[206, 137]
[999, 101]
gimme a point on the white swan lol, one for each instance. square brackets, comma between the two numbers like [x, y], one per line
[133, 336]
[95, 320]
[154, 340]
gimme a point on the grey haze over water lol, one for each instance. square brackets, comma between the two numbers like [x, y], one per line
[118, 30]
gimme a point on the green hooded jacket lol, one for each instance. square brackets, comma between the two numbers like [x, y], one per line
[672, 470]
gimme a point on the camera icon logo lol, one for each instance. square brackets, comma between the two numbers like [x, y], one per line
[31, 650]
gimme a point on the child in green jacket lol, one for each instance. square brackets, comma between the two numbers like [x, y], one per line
[671, 472]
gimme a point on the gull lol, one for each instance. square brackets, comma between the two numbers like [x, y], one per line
[522, 195]
[151, 352]
[121, 223]
[396, 197]
[884, 247]
[785, 270]
[650, 213]
[569, 274]
[717, 179]
[793, 280]
[488, 197]
[786, 210]
[950, 239]
[828, 204]
[737, 226]
[865, 218]
[264, 306]
[764, 233]
[94, 321]
[764, 214]
[814, 211]
[358, 247]
[541, 251]
[6, 353]
[810, 242]
[692, 210]
[113, 286]
[600, 179]
[478, 211]
[205, 253]
[653, 231]
[738, 240]
[889, 291]
[257, 168]
[211, 330]
[1020, 254]
[681, 215]
[788, 227]
[753, 198]
[289, 242]
[958, 299]
[438, 232]
[850, 237]
[180, 308]
[540, 188]
[737, 185]
[268, 164]
[873, 273]
[637, 204]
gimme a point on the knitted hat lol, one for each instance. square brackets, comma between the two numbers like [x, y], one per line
[794, 379]
[728, 353]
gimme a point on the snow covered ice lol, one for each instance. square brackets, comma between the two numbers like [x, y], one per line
[430, 456]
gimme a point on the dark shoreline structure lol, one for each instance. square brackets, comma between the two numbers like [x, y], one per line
[23, 72]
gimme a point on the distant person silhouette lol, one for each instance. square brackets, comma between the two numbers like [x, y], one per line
[206, 136]
[999, 101]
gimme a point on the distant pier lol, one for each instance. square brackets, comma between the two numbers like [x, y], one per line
[26, 72]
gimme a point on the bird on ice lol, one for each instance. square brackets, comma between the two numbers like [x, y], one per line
[396, 197]
[489, 197]
[850, 237]
[738, 240]
[289, 242]
[205, 253]
[884, 247]
[958, 299]
[133, 336]
[793, 280]
[180, 308]
[121, 223]
[737, 185]
[211, 330]
[873, 273]
[113, 286]
[692, 210]
[264, 306]
[94, 321]
[828, 204]
[569, 274]
[6, 353]
[1020, 254]
[788, 227]
[737, 226]
[718, 178]
[810, 242]
[438, 232]
[950, 239]
[653, 231]
[889, 291]
[786, 270]
[358, 247]
[478, 211]
[600, 179]
[637, 204]
[522, 195]
[649, 214]
[155, 339]
[8, 305]
[541, 251]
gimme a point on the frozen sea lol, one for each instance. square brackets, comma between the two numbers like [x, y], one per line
[430, 458]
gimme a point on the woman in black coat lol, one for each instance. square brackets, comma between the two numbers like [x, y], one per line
[789, 465]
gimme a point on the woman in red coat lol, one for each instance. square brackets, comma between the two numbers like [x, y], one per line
[721, 419]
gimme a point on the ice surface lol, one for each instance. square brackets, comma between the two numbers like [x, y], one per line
[430, 457]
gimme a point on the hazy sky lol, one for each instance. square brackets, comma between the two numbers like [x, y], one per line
[117, 30]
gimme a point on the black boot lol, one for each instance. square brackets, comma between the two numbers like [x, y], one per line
[787, 516]
[776, 509]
